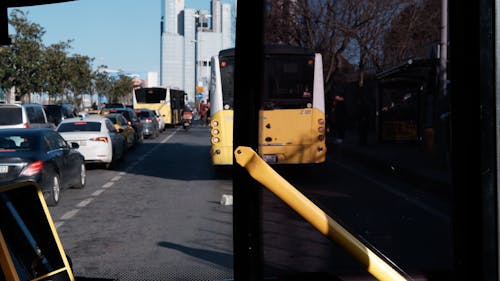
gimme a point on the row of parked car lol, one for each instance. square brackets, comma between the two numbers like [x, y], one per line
[55, 156]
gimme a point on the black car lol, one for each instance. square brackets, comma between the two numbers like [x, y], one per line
[58, 112]
[43, 156]
[132, 119]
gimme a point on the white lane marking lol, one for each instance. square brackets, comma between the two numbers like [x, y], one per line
[169, 137]
[69, 214]
[116, 178]
[85, 202]
[98, 192]
[400, 194]
[108, 184]
[140, 159]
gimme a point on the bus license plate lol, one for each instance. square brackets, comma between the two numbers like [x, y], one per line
[4, 169]
[270, 158]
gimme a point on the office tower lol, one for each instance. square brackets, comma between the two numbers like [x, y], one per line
[189, 53]
[172, 45]
[189, 38]
[226, 26]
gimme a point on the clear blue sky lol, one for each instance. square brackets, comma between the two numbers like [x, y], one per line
[121, 34]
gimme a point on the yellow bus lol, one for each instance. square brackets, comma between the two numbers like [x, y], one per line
[292, 114]
[168, 102]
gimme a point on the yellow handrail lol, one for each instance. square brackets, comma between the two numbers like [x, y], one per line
[264, 174]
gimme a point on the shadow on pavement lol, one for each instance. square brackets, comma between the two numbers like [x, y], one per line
[219, 258]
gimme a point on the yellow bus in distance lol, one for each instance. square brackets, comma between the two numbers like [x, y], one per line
[168, 102]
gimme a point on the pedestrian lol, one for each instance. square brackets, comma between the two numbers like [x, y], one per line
[208, 113]
[203, 112]
[339, 119]
[363, 120]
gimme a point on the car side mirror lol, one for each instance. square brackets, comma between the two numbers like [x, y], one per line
[75, 145]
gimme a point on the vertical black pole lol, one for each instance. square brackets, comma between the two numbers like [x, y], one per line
[246, 191]
[489, 131]
[463, 128]
[473, 135]
[4, 25]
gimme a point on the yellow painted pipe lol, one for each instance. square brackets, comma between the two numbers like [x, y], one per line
[264, 174]
[6, 262]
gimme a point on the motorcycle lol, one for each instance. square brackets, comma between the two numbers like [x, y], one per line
[187, 117]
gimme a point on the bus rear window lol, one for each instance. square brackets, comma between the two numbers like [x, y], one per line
[289, 77]
[157, 95]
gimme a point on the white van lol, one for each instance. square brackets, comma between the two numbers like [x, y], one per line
[27, 115]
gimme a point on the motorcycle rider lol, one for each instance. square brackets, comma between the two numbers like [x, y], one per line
[187, 115]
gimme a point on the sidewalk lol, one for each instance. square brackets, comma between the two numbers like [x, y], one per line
[409, 161]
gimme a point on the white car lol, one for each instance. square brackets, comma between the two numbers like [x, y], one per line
[99, 141]
[28, 115]
[161, 122]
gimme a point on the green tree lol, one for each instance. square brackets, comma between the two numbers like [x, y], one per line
[79, 71]
[54, 65]
[122, 87]
[103, 83]
[21, 61]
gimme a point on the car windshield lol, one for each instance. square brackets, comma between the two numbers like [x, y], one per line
[80, 126]
[19, 142]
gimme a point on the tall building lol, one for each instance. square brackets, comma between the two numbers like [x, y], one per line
[189, 38]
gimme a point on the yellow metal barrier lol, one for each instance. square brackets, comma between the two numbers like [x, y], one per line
[264, 174]
[30, 248]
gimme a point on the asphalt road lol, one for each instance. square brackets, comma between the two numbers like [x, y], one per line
[158, 216]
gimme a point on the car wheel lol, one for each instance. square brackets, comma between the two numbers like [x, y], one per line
[53, 191]
[83, 177]
[124, 150]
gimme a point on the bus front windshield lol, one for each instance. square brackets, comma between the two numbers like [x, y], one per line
[288, 81]
[227, 74]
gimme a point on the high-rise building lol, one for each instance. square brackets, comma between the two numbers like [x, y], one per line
[227, 26]
[189, 38]
[189, 53]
